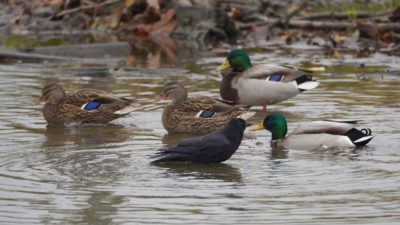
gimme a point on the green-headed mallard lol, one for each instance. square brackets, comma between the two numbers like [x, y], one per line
[211, 148]
[82, 106]
[314, 135]
[260, 84]
[197, 115]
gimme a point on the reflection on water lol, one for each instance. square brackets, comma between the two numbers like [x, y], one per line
[221, 171]
[279, 153]
[172, 139]
[103, 175]
[103, 206]
[85, 136]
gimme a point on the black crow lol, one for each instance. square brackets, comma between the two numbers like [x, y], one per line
[215, 147]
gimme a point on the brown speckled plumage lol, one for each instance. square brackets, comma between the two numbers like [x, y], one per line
[179, 116]
[63, 108]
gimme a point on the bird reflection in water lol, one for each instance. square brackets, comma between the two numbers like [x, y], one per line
[85, 136]
[217, 171]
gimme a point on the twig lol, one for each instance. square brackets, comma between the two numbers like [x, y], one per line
[319, 25]
[342, 16]
[295, 12]
[69, 11]
[284, 22]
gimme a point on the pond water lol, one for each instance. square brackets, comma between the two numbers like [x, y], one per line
[102, 174]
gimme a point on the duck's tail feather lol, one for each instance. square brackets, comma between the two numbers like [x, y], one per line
[308, 85]
[360, 137]
[306, 82]
[363, 141]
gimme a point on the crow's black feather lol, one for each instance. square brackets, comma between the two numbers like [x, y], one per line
[212, 148]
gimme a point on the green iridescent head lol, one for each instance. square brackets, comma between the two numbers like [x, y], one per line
[276, 124]
[238, 60]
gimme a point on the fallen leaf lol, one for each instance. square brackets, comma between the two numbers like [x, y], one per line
[368, 30]
[167, 45]
[395, 15]
[114, 19]
[336, 37]
[155, 4]
[154, 60]
[235, 14]
[150, 15]
[163, 27]
[167, 23]
[335, 54]
[386, 37]
[129, 3]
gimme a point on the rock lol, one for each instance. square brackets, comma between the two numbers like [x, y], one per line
[44, 11]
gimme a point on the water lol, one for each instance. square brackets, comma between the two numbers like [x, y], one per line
[102, 175]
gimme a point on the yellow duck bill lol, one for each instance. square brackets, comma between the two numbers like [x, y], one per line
[259, 126]
[226, 65]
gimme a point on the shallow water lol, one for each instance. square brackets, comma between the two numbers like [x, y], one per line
[102, 175]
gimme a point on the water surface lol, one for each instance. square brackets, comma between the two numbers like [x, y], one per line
[102, 175]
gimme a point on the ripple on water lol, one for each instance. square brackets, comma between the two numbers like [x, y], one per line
[102, 175]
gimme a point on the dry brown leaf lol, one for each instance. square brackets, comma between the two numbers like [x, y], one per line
[236, 14]
[386, 37]
[132, 60]
[338, 38]
[164, 26]
[167, 45]
[155, 4]
[154, 60]
[368, 30]
[141, 30]
[167, 23]
[335, 54]
[395, 15]
[150, 15]
[129, 3]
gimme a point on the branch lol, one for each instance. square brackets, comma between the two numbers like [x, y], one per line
[318, 25]
[342, 16]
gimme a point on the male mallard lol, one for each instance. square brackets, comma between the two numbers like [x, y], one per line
[197, 115]
[82, 106]
[314, 135]
[211, 148]
[261, 84]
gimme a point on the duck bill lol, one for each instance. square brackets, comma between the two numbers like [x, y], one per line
[226, 65]
[161, 97]
[259, 126]
[39, 100]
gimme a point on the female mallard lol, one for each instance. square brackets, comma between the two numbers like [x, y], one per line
[82, 106]
[198, 115]
[261, 84]
[314, 135]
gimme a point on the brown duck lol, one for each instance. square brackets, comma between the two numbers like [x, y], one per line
[82, 106]
[196, 115]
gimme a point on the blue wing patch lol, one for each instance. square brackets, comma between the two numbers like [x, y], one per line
[91, 105]
[275, 77]
[205, 114]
